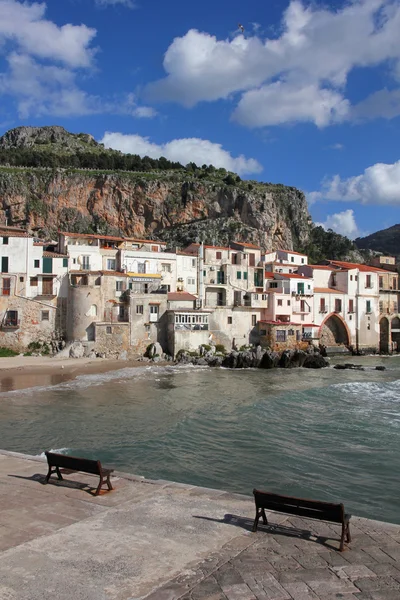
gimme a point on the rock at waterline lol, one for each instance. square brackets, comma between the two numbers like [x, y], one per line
[315, 361]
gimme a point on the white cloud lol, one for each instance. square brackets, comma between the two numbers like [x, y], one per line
[311, 58]
[25, 25]
[336, 146]
[182, 150]
[144, 112]
[280, 103]
[343, 223]
[379, 184]
[383, 103]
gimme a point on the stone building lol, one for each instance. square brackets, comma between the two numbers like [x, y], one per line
[33, 297]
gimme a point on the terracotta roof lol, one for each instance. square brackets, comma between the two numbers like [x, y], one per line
[310, 325]
[13, 233]
[246, 245]
[269, 274]
[92, 236]
[363, 268]
[144, 241]
[322, 267]
[47, 254]
[291, 252]
[326, 291]
[185, 296]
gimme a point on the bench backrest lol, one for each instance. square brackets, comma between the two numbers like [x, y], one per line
[74, 463]
[300, 506]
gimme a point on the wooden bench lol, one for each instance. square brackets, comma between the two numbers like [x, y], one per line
[312, 509]
[73, 463]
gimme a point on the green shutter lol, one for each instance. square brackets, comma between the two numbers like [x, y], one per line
[65, 262]
[47, 265]
[239, 275]
[245, 275]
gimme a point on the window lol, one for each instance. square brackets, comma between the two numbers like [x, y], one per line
[333, 279]
[92, 311]
[297, 335]
[153, 312]
[288, 302]
[264, 296]
[351, 277]
[322, 306]
[273, 284]
[338, 305]
[290, 270]
[254, 320]
[139, 309]
[229, 320]
[252, 260]
[119, 286]
[280, 335]
[165, 287]
[381, 306]
[218, 255]
[280, 302]
[263, 332]
[395, 307]
[292, 259]
[368, 306]
[5, 241]
[356, 278]
[65, 262]
[165, 267]
[142, 267]
[74, 261]
[290, 332]
[239, 275]
[4, 264]
[34, 281]
[351, 306]
[245, 275]
[235, 259]
[11, 318]
[108, 329]
[110, 264]
[302, 261]
[255, 296]
[97, 281]
[86, 263]
[45, 315]
[193, 262]
[368, 283]
[154, 248]
[6, 286]
[302, 306]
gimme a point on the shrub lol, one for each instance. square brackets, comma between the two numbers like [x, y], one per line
[206, 347]
[220, 348]
[4, 352]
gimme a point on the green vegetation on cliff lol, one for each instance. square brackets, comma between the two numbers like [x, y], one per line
[386, 241]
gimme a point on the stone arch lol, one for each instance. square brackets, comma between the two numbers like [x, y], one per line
[384, 335]
[395, 333]
[334, 331]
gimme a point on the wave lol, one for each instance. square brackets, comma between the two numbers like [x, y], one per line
[56, 451]
[98, 379]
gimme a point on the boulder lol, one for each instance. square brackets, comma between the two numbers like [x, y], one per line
[201, 362]
[215, 361]
[154, 349]
[297, 359]
[315, 361]
[77, 350]
[269, 360]
[230, 361]
[285, 359]
[380, 368]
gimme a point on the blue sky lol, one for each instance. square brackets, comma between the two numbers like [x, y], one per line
[308, 95]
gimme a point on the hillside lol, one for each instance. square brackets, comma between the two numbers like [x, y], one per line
[51, 179]
[386, 241]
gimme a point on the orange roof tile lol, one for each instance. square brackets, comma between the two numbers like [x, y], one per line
[174, 296]
[322, 267]
[247, 245]
[292, 252]
[293, 275]
[360, 267]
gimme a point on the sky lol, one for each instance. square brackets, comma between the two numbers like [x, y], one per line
[304, 94]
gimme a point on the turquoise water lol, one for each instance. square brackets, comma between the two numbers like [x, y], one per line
[327, 434]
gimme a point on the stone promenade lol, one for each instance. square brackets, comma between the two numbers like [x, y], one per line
[162, 541]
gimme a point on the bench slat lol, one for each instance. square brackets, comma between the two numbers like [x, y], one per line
[74, 463]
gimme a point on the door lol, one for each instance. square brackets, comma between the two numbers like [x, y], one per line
[47, 286]
[4, 264]
[47, 265]
[300, 288]
[220, 277]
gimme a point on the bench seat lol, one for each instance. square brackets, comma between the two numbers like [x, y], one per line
[74, 463]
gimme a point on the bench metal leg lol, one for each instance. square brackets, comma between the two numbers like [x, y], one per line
[344, 530]
[51, 472]
[348, 534]
[259, 513]
[110, 487]
[99, 486]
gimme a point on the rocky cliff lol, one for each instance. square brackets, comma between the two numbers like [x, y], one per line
[175, 206]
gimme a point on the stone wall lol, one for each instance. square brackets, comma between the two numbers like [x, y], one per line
[112, 338]
[31, 326]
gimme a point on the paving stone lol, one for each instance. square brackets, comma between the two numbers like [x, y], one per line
[284, 563]
[239, 591]
[310, 561]
[379, 555]
[361, 557]
[333, 586]
[307, 576]
[378, 583]
[300, 591]
[376, 595]
[272, 588]
[353, 572]
[228, 576]
[335, 559]
[387, 569]
[392, 551]
[207, 589]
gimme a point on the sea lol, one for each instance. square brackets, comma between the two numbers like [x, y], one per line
[326, 434]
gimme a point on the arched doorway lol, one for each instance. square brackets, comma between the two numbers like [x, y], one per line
[334, 332]
[395, 331]
[384, 335]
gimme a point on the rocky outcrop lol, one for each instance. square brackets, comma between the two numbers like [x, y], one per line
[174, 206]
[47, 137]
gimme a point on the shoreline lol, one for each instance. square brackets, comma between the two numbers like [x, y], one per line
[22, 372]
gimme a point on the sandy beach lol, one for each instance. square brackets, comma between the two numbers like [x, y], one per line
[19, 372]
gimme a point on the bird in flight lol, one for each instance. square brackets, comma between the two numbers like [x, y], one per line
[240, 26]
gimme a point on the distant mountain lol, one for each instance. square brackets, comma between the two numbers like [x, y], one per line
[386, 241]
